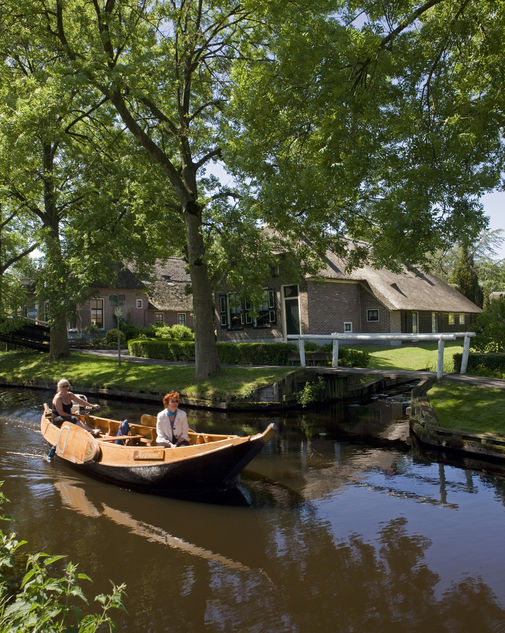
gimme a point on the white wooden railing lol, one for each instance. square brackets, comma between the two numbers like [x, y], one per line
[394, 336]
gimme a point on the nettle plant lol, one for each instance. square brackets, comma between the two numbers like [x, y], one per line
[40, 600]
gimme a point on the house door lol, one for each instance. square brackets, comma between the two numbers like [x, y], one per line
[291, 309]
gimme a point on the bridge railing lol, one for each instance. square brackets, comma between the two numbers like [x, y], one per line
[337, 337]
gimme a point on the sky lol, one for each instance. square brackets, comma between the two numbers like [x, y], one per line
[494, 208]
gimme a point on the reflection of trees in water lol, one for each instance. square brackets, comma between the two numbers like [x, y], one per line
[355, 586]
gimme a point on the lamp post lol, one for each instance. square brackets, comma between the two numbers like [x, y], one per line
[117, 301]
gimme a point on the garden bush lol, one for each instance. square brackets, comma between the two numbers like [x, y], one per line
[110, 338]
[255, 353]
[39, 600]
[176, 332]
[236, 353]
[162, 349]
[491, 364]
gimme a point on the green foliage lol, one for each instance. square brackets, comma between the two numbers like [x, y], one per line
[490, 328]
[44, 602]
[110, 338]
[255, 353]
[485, 364]
[312, 392]
[349, 357]
[95, 333]
[464, 276]
[176, 332]
[162, 349]
[13, 324]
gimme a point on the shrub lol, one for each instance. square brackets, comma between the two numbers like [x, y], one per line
[492, 364]
[110, 338]
[162, 349]
[175, 332]
[40, 601]
[255, 353]
[311, 392]
[349, 357]
[490, 328]
[95, 334]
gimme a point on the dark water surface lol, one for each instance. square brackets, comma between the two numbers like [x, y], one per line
[327, 531]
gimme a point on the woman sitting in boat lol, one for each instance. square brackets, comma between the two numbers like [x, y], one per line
[62, 407]
[172, 423]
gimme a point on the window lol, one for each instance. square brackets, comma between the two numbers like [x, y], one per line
[372, 315]
[235, 313]
[223, 310]
[461, 320]
[452, 318]
[266, 309]
[158, 317]
[181, 319]
[97, 312]
[347, 326]
[139, 303]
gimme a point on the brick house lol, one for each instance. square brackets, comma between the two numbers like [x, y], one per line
[142, 304]
[366, 300]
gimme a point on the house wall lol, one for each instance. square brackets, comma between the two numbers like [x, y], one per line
[370, 302]
[135, 315]
[330, 304]
[170, 317]
[395, 321]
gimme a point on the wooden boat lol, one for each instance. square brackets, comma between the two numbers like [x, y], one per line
[210, 461]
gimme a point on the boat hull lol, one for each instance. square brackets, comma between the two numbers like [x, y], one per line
[203, 465]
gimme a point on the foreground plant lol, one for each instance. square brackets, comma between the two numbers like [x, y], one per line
[42, 601]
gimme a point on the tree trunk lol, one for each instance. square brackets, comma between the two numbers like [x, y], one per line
[58, 343]
[206, 358]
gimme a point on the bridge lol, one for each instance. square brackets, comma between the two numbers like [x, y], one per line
[337, 337]
[31, 334]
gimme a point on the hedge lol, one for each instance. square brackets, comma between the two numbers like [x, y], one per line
[482, 363]
[237, 353]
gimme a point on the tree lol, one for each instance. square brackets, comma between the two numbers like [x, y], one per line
[490, 327]
[465, 278]
[365, 123]
[171, 108]
[66, 175]
[14, 247]
[349, 119]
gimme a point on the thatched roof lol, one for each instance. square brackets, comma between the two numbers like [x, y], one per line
[168, 292]
[410, 289]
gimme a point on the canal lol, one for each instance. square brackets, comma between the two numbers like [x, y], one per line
[339, 525]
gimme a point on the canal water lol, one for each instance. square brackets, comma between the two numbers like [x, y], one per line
[341, 524]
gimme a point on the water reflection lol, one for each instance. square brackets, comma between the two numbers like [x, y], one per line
[337, 534]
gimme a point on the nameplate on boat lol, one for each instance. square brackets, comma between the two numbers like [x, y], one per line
[149, 455]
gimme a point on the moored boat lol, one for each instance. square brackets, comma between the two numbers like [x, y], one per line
[210, 460]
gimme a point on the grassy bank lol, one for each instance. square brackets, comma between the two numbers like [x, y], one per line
[468, 408]
[34, 368]
[414, 357]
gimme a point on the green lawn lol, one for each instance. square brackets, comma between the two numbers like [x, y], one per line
[94, 371]
[468, 408]
[416, 357]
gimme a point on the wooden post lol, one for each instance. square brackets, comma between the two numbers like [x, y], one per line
[301, 348]
[466, 352]
[334, 360]
[440, 358]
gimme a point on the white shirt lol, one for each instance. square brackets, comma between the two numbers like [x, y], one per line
[164, 427]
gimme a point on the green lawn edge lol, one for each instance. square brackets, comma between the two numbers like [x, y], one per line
[468, 408]
[95, 372]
